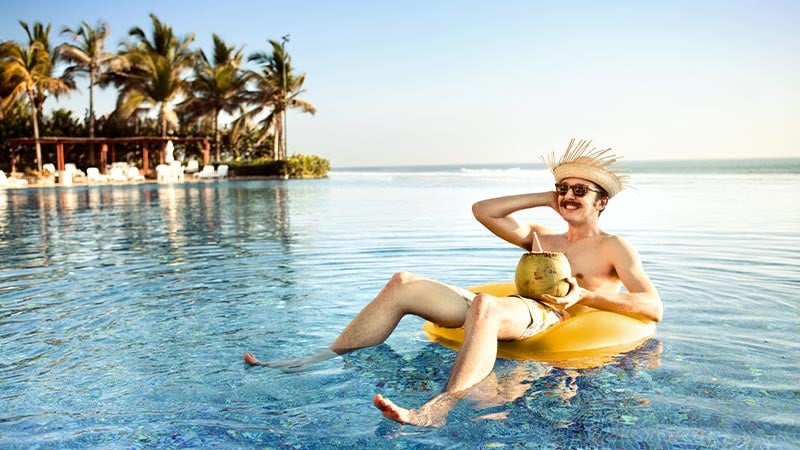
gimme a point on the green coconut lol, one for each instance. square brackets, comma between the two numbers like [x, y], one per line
[542, 273]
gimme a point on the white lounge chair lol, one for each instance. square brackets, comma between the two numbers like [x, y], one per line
[11, 181]
[93, 175]
[177, 170]
[117, 174]
[172, 173]
[192, 166]
[133, 174]
[65, 177]
[70, 174]
[49, 170]
[163, 173]
[207, 172]
[222, 171]
[77, 174]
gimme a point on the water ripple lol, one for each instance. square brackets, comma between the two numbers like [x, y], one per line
[124, 312]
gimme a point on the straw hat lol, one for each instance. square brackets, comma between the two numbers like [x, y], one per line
[593, 165]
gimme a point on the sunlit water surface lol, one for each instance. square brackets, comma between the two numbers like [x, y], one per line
[125, 311]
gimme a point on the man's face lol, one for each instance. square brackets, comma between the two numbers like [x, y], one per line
[578, 197]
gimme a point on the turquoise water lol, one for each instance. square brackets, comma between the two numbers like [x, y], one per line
[124, 312]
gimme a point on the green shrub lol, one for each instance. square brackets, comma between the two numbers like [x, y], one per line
[297, 166]
[307, 166]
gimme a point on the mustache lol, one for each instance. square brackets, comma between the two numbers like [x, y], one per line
[565, 203]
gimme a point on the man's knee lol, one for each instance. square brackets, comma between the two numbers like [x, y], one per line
[403, 278]
[510, 320]
[397, 284]
[398, 290]
[484, 306]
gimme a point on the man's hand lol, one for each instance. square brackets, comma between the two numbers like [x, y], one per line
[574, 295]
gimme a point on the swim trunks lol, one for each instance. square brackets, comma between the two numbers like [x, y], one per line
[543, 316]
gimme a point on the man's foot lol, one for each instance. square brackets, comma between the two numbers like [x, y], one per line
[432, 414]
[292, 365]
[250, 359]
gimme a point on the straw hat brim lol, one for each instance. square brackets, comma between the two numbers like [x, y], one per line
[609, 182]
[581, 161]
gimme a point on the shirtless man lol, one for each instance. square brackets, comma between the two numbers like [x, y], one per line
[602, 264]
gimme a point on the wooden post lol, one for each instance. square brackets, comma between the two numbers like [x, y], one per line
[60, 156]
[206, 152]
[145, 158]
[103, 157]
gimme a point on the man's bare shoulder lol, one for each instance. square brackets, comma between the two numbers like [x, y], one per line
[614, 244]
[616, 240]
[542, 230]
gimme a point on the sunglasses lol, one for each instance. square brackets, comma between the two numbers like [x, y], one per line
[578, 189]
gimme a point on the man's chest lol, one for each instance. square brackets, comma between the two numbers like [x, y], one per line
[590, 265]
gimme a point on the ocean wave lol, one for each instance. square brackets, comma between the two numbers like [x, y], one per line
[514, 172]
[747, 167]
[440, 172]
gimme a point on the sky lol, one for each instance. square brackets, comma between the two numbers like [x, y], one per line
[476, 82]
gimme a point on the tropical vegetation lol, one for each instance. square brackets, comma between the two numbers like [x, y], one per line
[165, 88]
[87, 55]
[26, 71]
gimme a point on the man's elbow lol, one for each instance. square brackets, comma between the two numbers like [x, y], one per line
[657, 316]
[658, 310]
[479, 211]
[476, 209]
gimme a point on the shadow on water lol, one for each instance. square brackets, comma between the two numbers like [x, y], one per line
[425, 372]
[522, 403]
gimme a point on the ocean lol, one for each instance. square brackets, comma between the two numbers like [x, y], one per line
[125, 311]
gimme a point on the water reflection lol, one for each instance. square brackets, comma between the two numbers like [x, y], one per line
[143, 219]
[513, 383]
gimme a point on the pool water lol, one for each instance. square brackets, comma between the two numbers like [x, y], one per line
[125, 311]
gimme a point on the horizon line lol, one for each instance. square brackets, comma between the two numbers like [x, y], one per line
[649, 161]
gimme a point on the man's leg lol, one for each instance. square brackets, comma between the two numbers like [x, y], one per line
[405, 293]
[489, 319]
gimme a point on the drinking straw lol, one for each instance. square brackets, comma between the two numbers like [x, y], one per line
[538, 244]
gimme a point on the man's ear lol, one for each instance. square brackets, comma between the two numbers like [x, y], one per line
[603, 203]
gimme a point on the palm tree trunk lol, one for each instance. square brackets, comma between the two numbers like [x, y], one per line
[91, 116]
[162, 117]
[280, 153]
[35, 121]
[216, 132]
[285, 136]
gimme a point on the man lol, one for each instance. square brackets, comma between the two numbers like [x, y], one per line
[601, 265]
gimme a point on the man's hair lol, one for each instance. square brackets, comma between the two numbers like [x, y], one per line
[601, 195]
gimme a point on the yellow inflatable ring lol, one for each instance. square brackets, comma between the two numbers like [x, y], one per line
[589, 338]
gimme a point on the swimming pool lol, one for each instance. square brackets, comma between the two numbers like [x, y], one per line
[126, 310]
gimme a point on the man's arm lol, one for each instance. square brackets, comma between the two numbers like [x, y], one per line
[641, 299]
[495, 214]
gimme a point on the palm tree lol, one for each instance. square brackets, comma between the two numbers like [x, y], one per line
[153, 74]
[9, 83]
[88, 56]
[218, 86]
[27, 71]
[276, 89]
